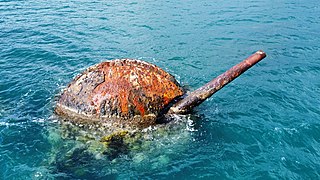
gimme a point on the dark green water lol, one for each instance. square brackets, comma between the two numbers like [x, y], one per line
[264, 125]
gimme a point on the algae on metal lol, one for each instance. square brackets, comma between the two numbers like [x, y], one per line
[83, 145]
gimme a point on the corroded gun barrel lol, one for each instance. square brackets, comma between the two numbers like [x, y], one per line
[198, 96]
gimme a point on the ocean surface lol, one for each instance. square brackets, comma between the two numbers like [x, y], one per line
[263, 125]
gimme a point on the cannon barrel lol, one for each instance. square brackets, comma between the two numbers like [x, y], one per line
[198, 96]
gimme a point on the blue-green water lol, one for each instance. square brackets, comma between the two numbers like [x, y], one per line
[266, 124]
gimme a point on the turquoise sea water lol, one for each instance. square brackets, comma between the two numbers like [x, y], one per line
[264, 125]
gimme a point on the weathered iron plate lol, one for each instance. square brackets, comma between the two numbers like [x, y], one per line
[122, 89]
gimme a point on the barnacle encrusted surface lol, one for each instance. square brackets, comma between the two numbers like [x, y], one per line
[122, 91]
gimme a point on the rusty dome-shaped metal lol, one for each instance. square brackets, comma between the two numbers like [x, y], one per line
[123, 90]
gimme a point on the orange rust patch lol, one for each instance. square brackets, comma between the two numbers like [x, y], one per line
[123, 96]
[139, 106]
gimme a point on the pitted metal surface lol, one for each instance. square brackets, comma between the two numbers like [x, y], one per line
[123, 89]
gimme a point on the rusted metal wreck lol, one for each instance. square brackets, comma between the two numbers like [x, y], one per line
[134, 93]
